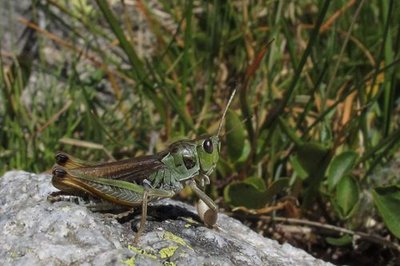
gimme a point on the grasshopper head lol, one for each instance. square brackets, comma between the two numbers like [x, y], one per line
[208, 150]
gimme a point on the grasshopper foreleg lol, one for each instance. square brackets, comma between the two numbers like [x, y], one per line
[207, 209]
[203, 196]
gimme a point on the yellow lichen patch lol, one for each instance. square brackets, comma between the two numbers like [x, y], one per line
[190, 221]
[167, 252]
[176, 239]
[142, 252]
[130, 262]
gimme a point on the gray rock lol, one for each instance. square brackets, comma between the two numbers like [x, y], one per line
[36, 232]
[10, 28]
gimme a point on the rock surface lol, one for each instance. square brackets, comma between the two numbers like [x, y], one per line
[36, 232]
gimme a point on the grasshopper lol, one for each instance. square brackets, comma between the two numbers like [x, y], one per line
[135, 182]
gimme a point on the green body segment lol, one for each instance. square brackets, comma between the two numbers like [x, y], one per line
[181, 163]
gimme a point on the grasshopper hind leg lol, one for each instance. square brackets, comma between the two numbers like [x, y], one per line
[145, 199]
[143, 218]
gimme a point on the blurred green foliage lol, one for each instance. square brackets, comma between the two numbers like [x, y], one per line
[316, 110]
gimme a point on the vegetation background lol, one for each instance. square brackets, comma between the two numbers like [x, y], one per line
[310, 151]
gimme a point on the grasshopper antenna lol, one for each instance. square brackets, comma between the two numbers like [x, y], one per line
[226, 109]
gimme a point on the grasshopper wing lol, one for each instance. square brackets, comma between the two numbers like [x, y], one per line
[133, 170]
[120, 182]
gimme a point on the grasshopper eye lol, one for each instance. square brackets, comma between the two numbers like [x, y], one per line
[208, 146]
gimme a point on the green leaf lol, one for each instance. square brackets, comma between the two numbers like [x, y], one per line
[278, 186]
[311, 156]
[235, 135]
[347, 196]
[137, 64]
[257, 182]
[340, 166]
[244, 194]
[298, 169]
[245, 153]
[251, 192]
[387, 200]
[340, 241]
